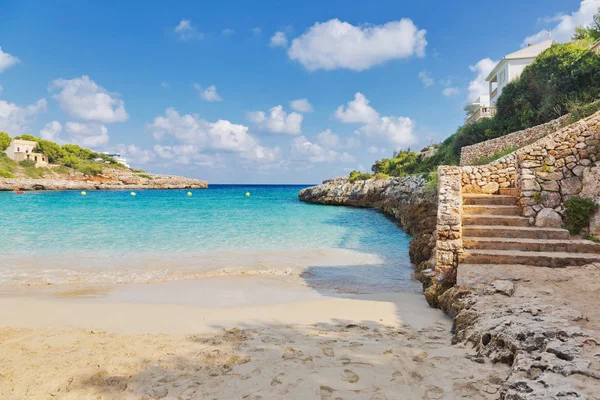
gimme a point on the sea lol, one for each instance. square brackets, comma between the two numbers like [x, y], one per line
[114, 237]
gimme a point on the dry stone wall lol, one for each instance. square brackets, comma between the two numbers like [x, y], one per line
[489, 178]
[448, 234]
[469, 155]
[558, 167]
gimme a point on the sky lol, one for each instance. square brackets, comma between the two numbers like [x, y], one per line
[262, 91]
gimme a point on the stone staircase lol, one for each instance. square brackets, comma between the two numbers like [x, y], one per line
[495, 234]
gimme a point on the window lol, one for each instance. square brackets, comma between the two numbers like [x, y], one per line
[18, 149]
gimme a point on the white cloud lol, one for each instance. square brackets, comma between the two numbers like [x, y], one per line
[256, 30]
[51, 131]
[82, 98]
[222, 135]
[165, 85]
[15, 119]
[89, 134]
[328, 139]
[186, 31]
[303, 149]
[450, 91]
[395, 130]
[425, 77]
[228, 32]
[278, 121]
[478, 85]
[135, 155]
[209, 94]
[357, 111]
[7, 60]
[301, 105]
[375, 150]
[336, 44]
[566, 24]
[279, 39]
[1, 89]
[352, 143]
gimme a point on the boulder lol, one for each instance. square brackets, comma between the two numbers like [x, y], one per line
[570, 186]
[490, 188]
[548, 218]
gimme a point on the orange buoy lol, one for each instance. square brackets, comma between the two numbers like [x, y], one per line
[20, 192]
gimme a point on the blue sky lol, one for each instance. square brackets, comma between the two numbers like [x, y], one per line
[207, 89]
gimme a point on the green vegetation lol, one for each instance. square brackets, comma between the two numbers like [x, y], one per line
[380, 176]
[578, 212]
[4, 141]
[563, 79]
[67, 156]
[494, 157]
[144, 176]
[359, 176]
[537, 198]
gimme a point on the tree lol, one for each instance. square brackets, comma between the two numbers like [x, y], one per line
[591, 32]
[4, 141]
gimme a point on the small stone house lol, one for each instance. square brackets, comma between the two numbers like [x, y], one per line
[20, 150]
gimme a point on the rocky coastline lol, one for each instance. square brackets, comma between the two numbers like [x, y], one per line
[110, 179]
[543, 323]
[410, 200]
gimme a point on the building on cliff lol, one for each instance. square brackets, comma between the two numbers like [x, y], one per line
[21, 150]
[507, 70]
[511, 67]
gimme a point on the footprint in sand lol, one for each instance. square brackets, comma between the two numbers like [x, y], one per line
[434, 393]
[275, 381]
[291, 352]
[326, 391]
[349, 376]
[420, 356]
[396, 375]
[328, 352]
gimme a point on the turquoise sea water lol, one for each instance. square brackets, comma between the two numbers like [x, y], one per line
[219, 226]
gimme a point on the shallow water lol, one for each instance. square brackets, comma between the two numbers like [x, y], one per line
[113, 237]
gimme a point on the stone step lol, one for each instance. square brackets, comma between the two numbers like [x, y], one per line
[509, 191]
[488, 200]
[527, 232]
[492, 210]
[488, 219]
[552, 259]
[523, 244]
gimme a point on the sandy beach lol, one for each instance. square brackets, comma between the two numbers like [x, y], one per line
[284, 342]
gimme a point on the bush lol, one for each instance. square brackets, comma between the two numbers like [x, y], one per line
[27, 163]
[89, 169]
[380, 176]
[494, 157]
[61, 169]
[6, 173]
[34, 173]
[578, 212]
[4, 141]
[359, 176]
[579, 111]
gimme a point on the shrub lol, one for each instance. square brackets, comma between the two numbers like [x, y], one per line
[432, 181]
[578, 212]
[61, 169]
[5, 173]
[494, 157]
[144, 176]
[4, 141]
[34, 173]
[89, 169]
[579, 111]
[27, 163]
[380, 176]
[359, 176]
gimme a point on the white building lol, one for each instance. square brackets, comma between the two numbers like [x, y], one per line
[21, 150]
[479, 109]
[118, 158]
[511, 67]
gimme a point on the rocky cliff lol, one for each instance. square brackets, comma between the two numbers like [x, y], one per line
[410, 200]
[110, 179]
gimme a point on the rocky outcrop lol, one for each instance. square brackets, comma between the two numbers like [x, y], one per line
[110, 179]
[410, 200]
[539, 324]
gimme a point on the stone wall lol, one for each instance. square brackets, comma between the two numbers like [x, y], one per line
[469, 155]
[448, 234]
[488, 178]
[558, 167]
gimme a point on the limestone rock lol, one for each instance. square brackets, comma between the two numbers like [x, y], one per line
[570, 186]
[548, 218]
[490, 188]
